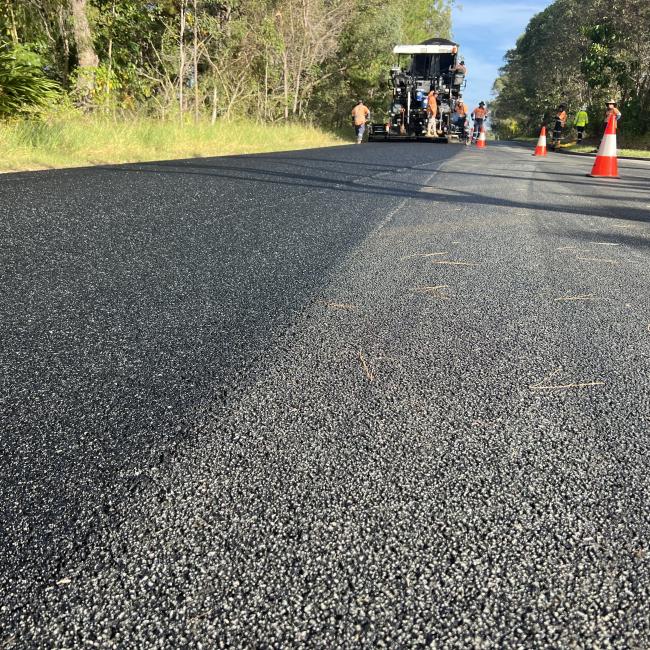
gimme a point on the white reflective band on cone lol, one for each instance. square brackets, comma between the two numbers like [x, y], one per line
[608, 146]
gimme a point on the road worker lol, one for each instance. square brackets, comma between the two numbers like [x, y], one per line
[432, 111]
[580, 122]
[479, 116]
[458, 73]
[612, 109]
[360, 115]
[459, 68]
[560, 123]
[460, 115]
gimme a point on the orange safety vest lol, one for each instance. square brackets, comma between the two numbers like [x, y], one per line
[561, 117]
[461, 109]
[480, 113]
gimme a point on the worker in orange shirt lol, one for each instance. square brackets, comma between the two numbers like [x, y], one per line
[432, 111]
[360, 115]
[479, 116]
[612, 109]
[460, 115]
[560, 123]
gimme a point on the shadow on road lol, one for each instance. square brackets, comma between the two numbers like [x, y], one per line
[388, 182]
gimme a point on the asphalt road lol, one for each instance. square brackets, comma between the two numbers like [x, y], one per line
[394, 396]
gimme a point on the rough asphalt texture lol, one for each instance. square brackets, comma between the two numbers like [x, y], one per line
[383, 396]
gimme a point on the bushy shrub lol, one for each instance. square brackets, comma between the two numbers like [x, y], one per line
[24, 87]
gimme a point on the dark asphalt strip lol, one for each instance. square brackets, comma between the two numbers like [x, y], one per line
[133, 295]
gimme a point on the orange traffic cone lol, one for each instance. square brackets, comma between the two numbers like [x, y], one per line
[481, 141]
[606, 164]
[540, 149]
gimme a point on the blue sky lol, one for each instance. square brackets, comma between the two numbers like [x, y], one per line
[485, 31]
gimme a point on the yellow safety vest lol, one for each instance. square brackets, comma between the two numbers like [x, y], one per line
[582, 119]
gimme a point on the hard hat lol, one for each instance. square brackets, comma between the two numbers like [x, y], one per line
[481, 103]
[612, 101]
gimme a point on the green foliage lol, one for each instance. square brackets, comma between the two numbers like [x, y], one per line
[578, 52]
[264, 59]
[423, 19]
[23, 84]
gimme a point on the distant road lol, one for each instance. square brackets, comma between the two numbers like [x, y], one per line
[394, 395]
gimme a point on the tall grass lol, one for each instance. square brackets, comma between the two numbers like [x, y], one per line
[87, 140]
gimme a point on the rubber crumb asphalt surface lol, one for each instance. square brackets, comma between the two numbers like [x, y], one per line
[384, 396]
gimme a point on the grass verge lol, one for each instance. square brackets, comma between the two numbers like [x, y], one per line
[67, 142]
[631, 153]
[632, 148]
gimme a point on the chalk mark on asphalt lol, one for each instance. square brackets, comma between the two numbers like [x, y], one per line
[408, 257]
[598, 259]
[434, 292]
[542, 385]
[582, 296]
[337, 305]
[452, 263]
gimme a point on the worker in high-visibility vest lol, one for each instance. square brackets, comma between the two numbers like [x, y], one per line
[580, 122]
[479, 115]
[460, 115]
[612, 109]
[560, 123]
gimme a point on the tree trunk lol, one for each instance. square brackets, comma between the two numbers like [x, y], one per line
[285, 75]
[109, 75]
[65, 55]
[214, 104]
[266, 82]
[88, 60]
[297, 80]
[12, 19]
[195, 57]
[181, 64]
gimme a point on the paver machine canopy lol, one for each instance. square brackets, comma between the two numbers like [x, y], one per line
[422, 68]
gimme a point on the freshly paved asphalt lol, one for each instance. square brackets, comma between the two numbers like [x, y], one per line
[379, 396]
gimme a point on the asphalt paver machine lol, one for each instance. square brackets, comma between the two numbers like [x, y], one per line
[421, 68]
